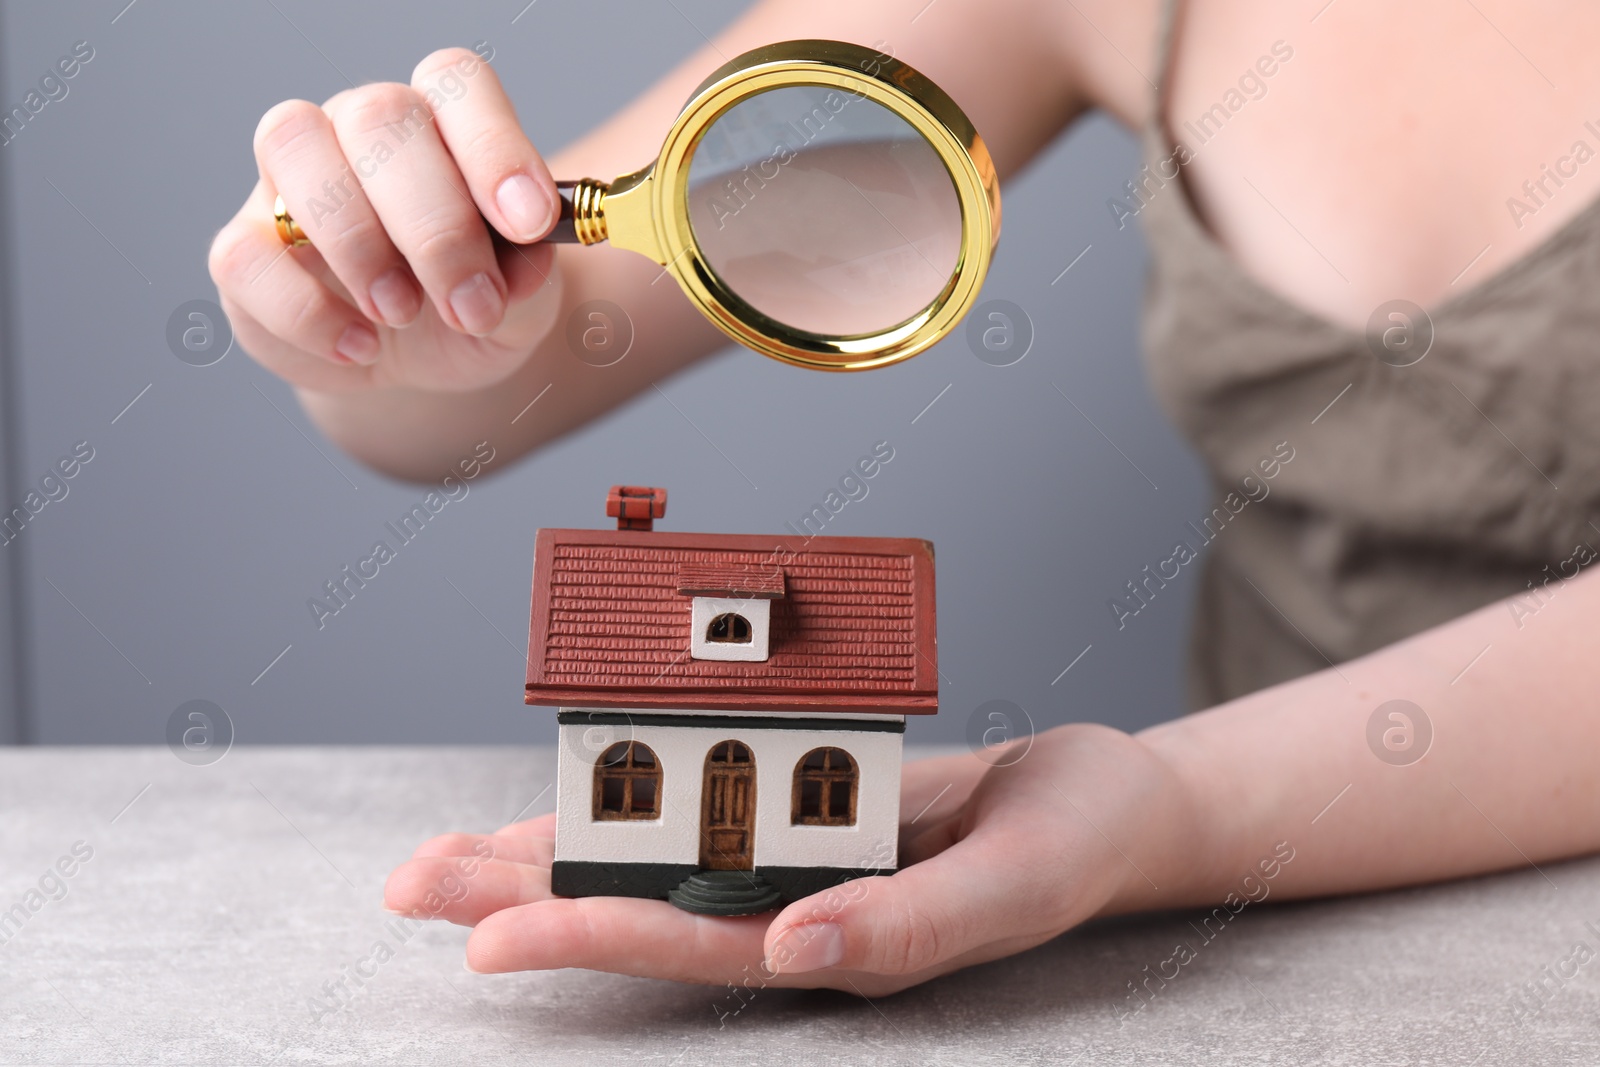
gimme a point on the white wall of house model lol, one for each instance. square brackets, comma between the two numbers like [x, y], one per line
[674, 837]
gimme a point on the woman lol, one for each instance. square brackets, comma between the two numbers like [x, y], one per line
[1314, 178]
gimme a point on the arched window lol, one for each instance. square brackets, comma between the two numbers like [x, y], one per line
[825, 788]
[729, 628]
[627, 783]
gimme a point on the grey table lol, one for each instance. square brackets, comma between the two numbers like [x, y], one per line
[218, 900]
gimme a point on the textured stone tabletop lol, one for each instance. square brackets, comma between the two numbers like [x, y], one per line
[216, 901]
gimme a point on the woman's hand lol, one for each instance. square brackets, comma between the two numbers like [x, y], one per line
[405, 284]
[996, 859]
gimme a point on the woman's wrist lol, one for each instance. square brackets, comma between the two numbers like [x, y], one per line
[1180, 843]
[1237, 786]
[1144, 820]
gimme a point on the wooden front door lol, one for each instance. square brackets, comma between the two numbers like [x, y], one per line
[728, 808]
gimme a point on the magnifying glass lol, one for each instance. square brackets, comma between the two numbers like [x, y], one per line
[820, 202]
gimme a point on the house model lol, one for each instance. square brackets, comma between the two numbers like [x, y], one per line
[731, 706]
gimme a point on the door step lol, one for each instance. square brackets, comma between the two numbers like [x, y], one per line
[725, 893]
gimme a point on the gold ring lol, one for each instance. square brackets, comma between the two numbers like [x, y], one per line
[288, 229]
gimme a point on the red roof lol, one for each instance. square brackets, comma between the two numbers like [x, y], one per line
[852, 631]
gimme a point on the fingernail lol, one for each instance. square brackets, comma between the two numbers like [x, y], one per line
[808, 947]
[358, 344]
[528, 208]
[398, 301]
[478, 304]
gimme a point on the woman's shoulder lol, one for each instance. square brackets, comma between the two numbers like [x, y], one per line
[1113, 47]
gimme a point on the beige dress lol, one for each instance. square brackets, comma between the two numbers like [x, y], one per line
[1424, 491]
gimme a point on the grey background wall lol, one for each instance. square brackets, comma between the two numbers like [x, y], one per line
[180, 562]
[12, 608]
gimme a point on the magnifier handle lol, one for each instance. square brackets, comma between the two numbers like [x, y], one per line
[580, 221]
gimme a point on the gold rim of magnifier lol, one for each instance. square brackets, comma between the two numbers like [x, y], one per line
[648, 211]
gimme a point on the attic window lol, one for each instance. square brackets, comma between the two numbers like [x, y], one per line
[729, 628]
[730, 608]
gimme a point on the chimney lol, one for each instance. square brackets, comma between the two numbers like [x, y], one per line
[636, 507]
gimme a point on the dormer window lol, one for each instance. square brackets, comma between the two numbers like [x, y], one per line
[730, 610]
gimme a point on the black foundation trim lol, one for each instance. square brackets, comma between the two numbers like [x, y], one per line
[727, 722]
[578, 878]
[581, 878]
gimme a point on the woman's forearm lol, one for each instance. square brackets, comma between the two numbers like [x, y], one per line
[1508, 779]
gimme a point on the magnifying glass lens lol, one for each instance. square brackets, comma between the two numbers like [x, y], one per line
[824, 210]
